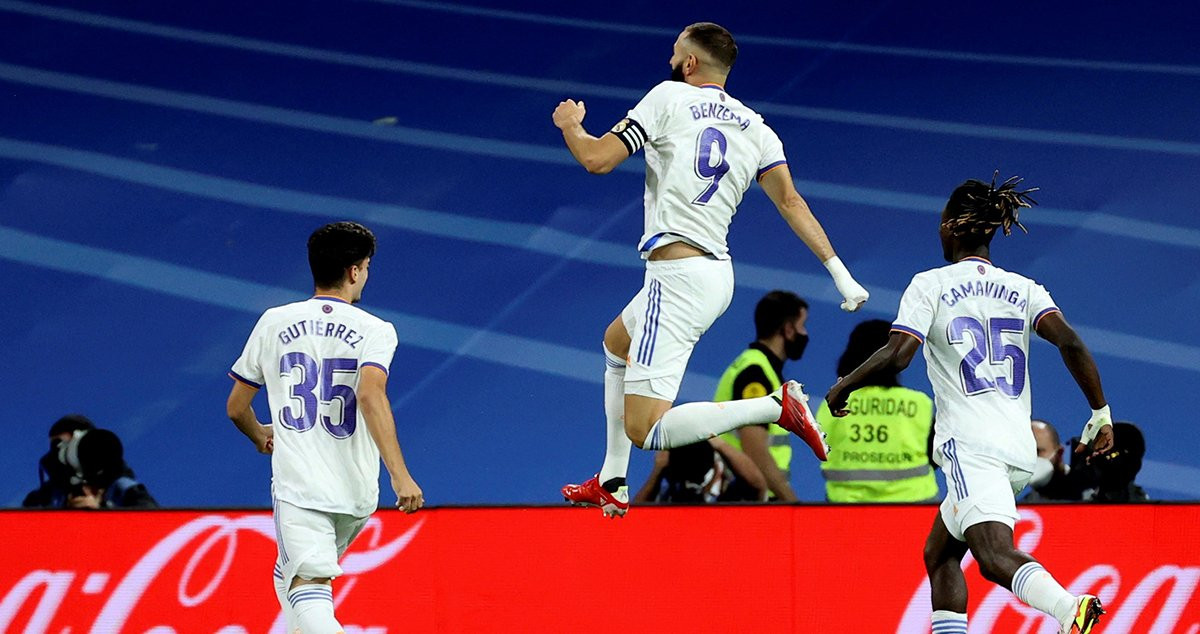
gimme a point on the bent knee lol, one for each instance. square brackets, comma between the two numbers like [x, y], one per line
[991, 566]
[932, 558]
[637, 435]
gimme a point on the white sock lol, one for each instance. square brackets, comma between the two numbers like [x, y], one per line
[1038, 589]
[281, 592]
[947, 622]
[312, 604]
[616, 456]
[693, 422]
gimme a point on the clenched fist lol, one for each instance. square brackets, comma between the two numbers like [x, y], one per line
[569, 114]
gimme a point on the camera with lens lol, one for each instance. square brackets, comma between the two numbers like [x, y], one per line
[88, 457]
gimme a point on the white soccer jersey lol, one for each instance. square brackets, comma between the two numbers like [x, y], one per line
[703, 150]
[308, 355]
[976, 321]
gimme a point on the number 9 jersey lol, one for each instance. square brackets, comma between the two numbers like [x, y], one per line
[976, 321]
[703, 150]
[308, 355]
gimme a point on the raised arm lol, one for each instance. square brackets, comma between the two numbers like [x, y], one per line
[237, 407]
[377, 410]
[1075, 355]
[893, 358]
[778, 185]
[597, 155]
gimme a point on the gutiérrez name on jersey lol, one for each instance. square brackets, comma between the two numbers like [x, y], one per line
[319, 328]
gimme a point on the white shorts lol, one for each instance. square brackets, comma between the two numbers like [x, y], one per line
[678, 302]
[311, 542]
[979, 489]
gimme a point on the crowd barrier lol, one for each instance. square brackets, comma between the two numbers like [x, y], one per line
[661, 569]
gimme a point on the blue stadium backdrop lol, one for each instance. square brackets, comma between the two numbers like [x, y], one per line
[161, 165]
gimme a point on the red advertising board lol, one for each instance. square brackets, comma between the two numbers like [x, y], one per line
[697, 569]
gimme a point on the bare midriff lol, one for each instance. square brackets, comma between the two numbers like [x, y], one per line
[676, 251]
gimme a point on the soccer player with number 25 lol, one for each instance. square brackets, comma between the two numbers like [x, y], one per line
[975, 320]
[703, 150]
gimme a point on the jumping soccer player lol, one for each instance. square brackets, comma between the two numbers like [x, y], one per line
[324, 363]
[703, 149]
[975, 320]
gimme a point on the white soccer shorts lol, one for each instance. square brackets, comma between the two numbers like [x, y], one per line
[311, 542]
[979, 489]
[679, 301]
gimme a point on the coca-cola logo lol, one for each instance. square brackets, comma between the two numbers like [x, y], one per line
[505, 570]
[210, 544]
[1101, 579]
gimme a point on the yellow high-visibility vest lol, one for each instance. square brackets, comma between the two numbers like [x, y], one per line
[779, 439]
[879, 449]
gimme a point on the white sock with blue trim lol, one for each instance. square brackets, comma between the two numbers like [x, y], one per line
[1038, 589]
[312, 603]
[616, 455]
[289, 619]
[693, 422]
[947, 622]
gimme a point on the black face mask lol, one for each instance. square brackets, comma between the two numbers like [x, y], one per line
[677, 73]
[794, 348]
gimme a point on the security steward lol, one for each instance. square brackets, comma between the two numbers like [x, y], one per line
[779, 324]
[881, 450]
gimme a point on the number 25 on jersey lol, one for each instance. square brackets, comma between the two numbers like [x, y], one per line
[988, 346]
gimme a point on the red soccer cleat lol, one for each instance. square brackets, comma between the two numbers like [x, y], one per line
[798, 419]
[590, 493]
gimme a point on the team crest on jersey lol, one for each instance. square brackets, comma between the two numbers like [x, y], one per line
[327, 309]
[620, 127]
[722, 95]
[981, 269]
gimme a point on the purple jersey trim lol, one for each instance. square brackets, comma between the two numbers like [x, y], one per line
[374, 365]
[908, 331]
[241, 379]
[1052, 309]
[768, 168]
[330, 298]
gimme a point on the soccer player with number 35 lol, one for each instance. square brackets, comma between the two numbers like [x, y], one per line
[703, 150]
[324, 363]
[975, 320]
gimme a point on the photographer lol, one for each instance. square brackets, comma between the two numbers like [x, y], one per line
[1109, 477]
[85, 468]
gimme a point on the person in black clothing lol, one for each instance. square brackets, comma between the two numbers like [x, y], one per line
[1110, 476]
[85, 468]
[781, 334]
[1053, 479]
[700, 473]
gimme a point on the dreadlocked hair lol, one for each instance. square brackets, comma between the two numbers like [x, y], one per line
[976, 209]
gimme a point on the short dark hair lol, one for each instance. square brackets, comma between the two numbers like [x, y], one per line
[715, 40]
[71, 423]
[336, 247]
[865, 339]
[774, 310]
[976, 209]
